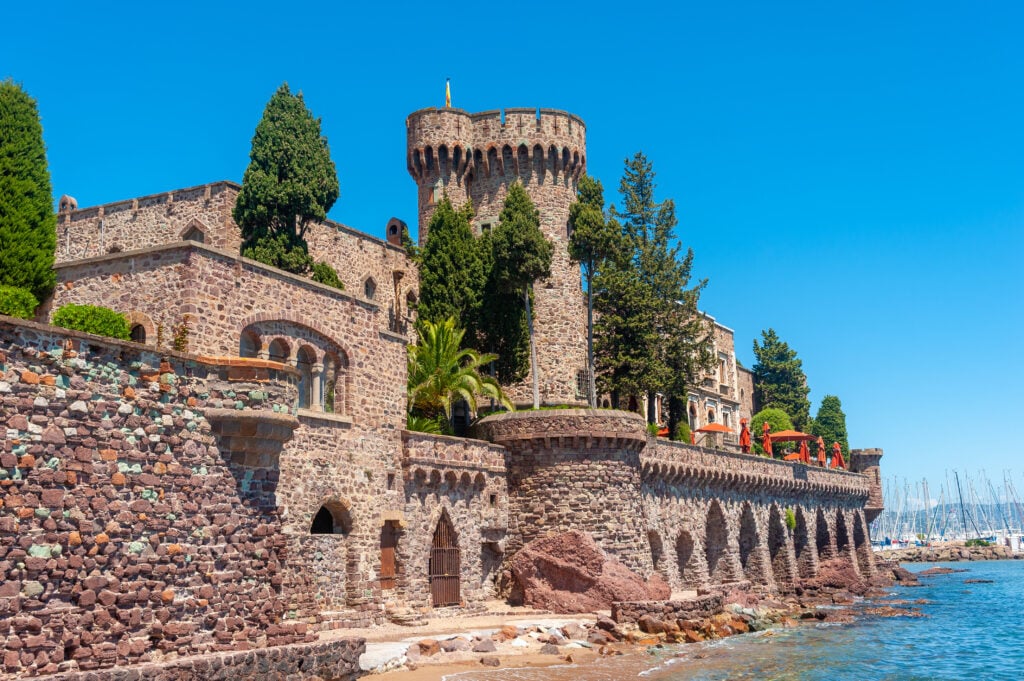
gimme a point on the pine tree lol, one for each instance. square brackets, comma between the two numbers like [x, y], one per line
[521, 256]
[779, 380]
[28, 226]
[830, 424]
[451, 272]
[593, 241]
[648, 296]
[290, 182]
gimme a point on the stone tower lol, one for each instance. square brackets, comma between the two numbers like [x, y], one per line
[477, 156]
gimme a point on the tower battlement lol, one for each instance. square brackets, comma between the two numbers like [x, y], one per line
[476, 157]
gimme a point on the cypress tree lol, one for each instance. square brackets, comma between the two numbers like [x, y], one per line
[779, 379]
[503, 329]
[28, 226]
[291, 181]
[451, 271]
[830, 424]
[521, 256]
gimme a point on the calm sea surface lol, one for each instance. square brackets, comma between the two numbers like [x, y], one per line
[972, 631]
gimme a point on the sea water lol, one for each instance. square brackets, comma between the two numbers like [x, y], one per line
[970, 632]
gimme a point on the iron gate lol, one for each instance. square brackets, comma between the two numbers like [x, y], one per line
[444, 565]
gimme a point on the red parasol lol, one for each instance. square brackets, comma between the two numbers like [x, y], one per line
[714, 428]
[821, 452]
[805, 453]
[790, 436]
[837, 456]
[766, 441]
[744, 437]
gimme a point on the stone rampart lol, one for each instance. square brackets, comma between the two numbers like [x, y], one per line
[575, 469]
[137, 518]
[336, 660]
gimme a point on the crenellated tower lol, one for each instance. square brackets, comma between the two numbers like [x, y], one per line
[476, 157]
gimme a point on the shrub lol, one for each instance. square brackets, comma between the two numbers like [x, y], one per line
[790, 519]
[101, 321]
[977, 542]
[323, 273]
[17, 302]
[423, 424]
[778, 420]
[682, 433]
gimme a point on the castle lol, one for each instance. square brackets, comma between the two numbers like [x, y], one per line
[262, 486]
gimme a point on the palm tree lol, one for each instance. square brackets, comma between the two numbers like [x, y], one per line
[441, 373]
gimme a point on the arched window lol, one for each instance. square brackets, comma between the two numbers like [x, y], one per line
[248, 344]
[304, 363]
[279, 351]
[369, 288]
[138, 333]
[332, 518]
[711, 415]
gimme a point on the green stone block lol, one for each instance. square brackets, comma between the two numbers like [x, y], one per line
[137, 547]
[239, 404]
[149, 495]
[63, 381]
[170, 516]
[191, 426]
[39, 550]
[56, 550]
[230, 394]
[31, 589]
[4, 474]
[53, 463]
[257, 395]
[122, 467]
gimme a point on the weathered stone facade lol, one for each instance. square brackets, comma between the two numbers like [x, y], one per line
[476, 157]
[261, 486]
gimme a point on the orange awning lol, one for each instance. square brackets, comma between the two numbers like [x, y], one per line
[714, 428]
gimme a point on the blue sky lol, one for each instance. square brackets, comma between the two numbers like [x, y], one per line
[852, 176]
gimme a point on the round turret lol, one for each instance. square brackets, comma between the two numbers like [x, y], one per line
[477, 157]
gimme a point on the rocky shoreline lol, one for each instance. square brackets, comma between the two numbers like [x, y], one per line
[949, 554]
[640, 626]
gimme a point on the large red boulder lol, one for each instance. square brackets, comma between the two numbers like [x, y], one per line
[569, 573]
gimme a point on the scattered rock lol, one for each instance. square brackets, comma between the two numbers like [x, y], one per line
[978, 581]
[429, 646]
[490, 661]
[485, 646]
[457, 644]
[548, 649]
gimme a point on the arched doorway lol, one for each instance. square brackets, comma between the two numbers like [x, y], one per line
[657, 550]
[445, 564]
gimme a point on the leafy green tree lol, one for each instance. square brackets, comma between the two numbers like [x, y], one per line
[28, 226]
[290, 182]
[451, 271]
[779, 379]
[441, 372]
[776, 418]
[411, 249]
[101, 321]
[521, 256]
[324, 273]
[652, 336]
[593, 241]
[830, 424]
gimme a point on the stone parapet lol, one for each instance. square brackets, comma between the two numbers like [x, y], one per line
[456, 453]
[675, 462]
[567, 428]
[701, 607]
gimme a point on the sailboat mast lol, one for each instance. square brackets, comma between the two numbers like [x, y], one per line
[963, 512]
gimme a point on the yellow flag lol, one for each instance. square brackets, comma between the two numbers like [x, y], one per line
[448, 92]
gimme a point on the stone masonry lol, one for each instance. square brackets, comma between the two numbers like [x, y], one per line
[476, 157]
[208, 511]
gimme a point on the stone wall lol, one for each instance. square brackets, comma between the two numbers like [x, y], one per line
[464, 480]
[336, 660]
[575, 469]
[221, 295]
[137, 517]
[696, 608]
[172, 217]
[477, 157]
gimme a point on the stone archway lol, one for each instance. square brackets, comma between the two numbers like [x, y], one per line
[716, 545]
[822, 537]
[686, 560]
[778, 548]
[805, 561]
[657, 552]
[843, 546]
[751, 561]
[861, 545]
